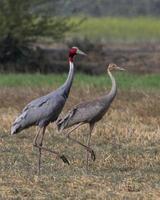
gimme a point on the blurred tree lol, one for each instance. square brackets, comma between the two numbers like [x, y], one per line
[22, 21]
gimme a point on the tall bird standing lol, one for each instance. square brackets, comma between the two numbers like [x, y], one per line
[46, 109]
[89, 113]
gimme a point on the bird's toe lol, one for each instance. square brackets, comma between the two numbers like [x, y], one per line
[65, 160]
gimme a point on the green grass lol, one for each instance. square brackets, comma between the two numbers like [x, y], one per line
[120, 29]
[124, 80]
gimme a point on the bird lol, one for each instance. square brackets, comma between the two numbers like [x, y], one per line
[46, 109]
[89, 112]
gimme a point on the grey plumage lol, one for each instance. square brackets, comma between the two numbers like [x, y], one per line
[46, 109]
[87, 112]
[90, 112]
[41, 111]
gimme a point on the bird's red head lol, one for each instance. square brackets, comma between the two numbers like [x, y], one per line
[74, 51]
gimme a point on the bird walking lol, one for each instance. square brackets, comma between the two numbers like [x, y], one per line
[46, 109]
[89, 113]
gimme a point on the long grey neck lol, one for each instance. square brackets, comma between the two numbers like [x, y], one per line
[65, 88]
[113, 90]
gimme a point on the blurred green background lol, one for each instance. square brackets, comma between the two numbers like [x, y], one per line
[35, 35]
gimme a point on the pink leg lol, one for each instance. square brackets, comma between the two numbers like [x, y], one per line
[40, 147]
[40, 150]
[91, 126]
[76, 141]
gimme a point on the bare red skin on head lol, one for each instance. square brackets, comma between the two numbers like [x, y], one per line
[72, 53]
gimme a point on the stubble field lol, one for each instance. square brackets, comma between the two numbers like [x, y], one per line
[126, 142]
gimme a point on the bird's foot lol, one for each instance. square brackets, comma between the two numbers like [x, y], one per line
[65, 160]
[93, 155]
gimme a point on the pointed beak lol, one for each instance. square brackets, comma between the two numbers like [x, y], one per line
[81, 52]
[120, 68]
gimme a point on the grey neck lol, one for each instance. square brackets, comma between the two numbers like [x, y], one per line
[65, 88]
[113, 90]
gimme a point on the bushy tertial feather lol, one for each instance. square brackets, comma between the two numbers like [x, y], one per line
[62, 123]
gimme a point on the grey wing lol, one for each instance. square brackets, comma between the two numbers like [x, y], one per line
[39, 112]
[36, 102]
[48, 111]
[84, 112]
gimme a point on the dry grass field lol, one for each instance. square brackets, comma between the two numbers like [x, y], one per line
[126, 142]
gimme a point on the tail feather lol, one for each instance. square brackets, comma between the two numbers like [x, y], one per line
[15, 128]
[63, 123]
[18, 124]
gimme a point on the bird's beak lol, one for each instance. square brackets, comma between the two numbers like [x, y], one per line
[120, 68]
[81, 52]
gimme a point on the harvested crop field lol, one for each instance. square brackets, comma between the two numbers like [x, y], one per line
[126, 142]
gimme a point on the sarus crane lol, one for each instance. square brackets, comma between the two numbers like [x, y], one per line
[46, 109]
[89, 113]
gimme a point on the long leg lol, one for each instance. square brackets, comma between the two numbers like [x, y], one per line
[35, 143]
[78, 125]
[56, 153]
[91, 126]
[36, 137]
[40, 150]
[39, 146]
[76, 141]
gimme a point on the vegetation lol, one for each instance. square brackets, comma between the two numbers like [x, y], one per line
[115, 29]
[125, 80]
[21, 22]
[126, 142]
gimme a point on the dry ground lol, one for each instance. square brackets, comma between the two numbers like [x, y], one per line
[126, 142]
